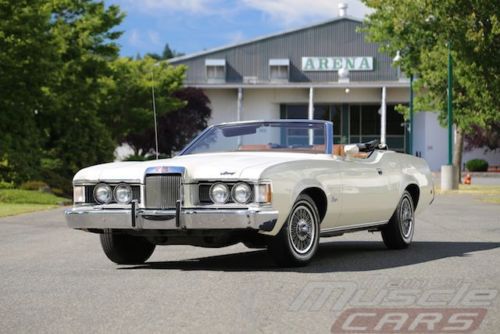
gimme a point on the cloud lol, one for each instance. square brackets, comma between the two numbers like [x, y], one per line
[134, 38]
[291, 12]
[279, 12]
[235, 37]
[154, 37]
[201, 7]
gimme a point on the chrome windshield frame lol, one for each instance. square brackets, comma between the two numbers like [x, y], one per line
[327, 125]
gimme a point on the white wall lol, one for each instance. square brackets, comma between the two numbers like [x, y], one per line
[223, 103]
[430, 139]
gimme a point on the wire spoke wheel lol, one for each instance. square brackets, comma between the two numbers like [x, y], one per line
[398, 233]
[406, 217]
[298, 239]
[302, 230]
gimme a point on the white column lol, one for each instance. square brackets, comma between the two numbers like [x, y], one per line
[383, 117]
[310, 113]
[239, 108]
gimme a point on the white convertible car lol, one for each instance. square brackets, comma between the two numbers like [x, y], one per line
[279, 185]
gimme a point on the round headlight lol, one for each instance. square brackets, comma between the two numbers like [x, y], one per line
[219, 193]
[123, 194]
[103, 193]
[241, 193]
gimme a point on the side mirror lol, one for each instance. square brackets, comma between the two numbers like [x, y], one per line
[351, 149]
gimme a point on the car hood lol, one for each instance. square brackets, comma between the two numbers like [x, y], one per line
[240, 165]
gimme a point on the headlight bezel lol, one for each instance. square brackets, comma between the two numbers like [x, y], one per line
[228, 193]
[249, 191]
[120, 186]
[110, 191]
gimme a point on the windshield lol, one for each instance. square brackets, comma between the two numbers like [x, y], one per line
[264, 136]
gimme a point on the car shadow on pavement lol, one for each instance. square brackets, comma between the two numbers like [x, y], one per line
[332, 256]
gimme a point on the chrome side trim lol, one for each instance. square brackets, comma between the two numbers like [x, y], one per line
[353, 227]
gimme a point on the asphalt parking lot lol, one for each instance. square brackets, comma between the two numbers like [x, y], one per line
[57, 280]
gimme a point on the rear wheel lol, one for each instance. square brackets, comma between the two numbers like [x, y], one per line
[298, 240]
[126, 249]
[398, 234]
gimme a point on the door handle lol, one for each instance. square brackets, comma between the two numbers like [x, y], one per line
[379, 171]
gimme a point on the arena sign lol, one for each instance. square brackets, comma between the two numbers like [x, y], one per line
[336, 63]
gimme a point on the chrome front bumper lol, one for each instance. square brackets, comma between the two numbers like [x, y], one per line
[98, 218]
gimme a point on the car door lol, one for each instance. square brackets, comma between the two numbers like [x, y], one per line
[366, 191]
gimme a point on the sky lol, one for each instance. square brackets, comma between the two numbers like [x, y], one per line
[190, 26]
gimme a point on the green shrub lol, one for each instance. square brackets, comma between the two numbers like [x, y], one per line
[6, 185]
[35, 185]
[58, 192]
[57, 181]
[477, 165]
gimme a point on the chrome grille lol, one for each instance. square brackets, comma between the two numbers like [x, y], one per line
[162, 191]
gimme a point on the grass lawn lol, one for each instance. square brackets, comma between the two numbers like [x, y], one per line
[9, 209]
[17, 201]
[485, 193]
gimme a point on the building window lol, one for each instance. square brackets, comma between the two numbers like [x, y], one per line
[359, 123]
[364, 122]
[279, 70]
[216, 70]
[327, 112]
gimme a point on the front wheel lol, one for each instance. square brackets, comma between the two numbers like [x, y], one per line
[126, 249]
[398, 233]
[298, 239]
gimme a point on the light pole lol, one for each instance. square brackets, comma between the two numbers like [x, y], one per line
[450, 106]
[449, 179]
[154, 110]
[396, 60]
[410, 137]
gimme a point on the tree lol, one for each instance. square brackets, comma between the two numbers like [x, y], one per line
[26, 60]
[66, 98]
[128, 106]
[422, 31]
[176, 128]
[167, 53]
[74, 133]
[487, 138]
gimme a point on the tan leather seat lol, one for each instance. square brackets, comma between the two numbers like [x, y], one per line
[254, 147]
[338, 150]
[319, 147]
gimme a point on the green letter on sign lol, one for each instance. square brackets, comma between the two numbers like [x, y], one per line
[349, 63]
[364, 64]
[323, 64]
[309, 65]
[337, 64]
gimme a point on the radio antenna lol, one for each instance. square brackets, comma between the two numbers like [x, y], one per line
[154, 111]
